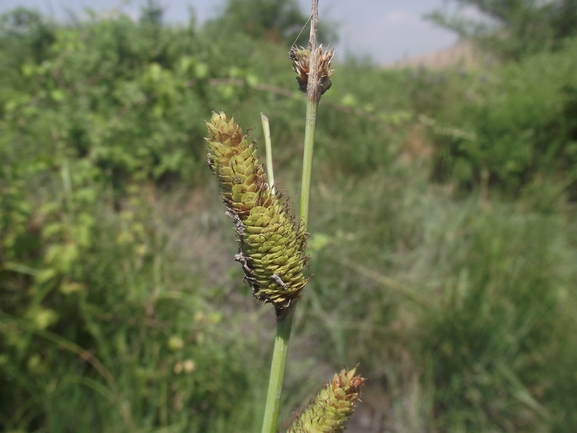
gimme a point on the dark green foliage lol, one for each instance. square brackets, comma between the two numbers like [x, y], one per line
[274, 21]
[25, 35]
[277, 21]
[152, 13]
[507, 126]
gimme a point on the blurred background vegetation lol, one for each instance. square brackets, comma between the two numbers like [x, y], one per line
[444, 238]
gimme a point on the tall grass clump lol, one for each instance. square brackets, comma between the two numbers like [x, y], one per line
[495, 336]
[462, 309]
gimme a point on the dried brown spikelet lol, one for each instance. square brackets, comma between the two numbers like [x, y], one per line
[301, 65]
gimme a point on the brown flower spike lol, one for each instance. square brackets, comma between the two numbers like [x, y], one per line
[331, 408]
[301, 65]
[272, 242]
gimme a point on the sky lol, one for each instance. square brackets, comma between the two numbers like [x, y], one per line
[384, 30]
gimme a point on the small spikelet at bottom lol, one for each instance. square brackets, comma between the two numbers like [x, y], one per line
[331, 408]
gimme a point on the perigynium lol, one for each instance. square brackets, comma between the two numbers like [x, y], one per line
[272, 241]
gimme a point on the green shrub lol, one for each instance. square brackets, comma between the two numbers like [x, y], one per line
[517, 123]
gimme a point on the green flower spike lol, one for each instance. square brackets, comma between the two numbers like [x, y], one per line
[272, 242]
[331, 408]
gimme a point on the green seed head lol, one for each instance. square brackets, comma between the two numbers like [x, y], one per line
[272, 242]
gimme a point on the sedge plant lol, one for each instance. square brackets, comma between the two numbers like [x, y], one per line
[272, 239]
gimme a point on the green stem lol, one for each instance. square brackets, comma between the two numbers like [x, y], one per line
[279, 357]
[284, 322]
[311, 122]
[313, 98]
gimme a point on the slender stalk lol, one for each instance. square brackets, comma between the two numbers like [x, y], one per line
[279, 357]
[311, 121]
[313, 97]
[268, 146]
[284, 323]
